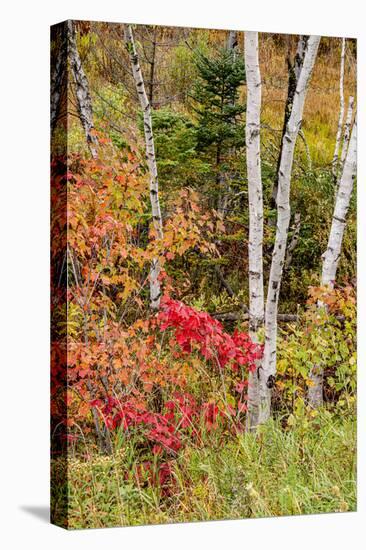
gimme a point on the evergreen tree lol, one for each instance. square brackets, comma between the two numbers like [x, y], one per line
[220, 128]
[216, 100]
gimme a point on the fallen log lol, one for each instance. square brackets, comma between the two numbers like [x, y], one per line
[241, 316]
[281, 317]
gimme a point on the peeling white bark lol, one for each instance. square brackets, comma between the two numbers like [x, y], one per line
[255, 249]
[82, 90]
[155, 292]
[294, 69]
[347, 130]
[341, 112]
[268, 371]
[58, 73]
[232, 40]
[333, 252]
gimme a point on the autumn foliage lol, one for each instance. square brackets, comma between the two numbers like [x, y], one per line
[130, 371]
[214, 344]
[151, 418]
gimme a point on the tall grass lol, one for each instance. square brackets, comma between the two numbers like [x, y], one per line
[302, 468]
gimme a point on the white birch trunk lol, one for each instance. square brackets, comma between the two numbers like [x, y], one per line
[300, 54]
[82, 90]
[155, 292]
[333, 252]
[58, 73]
[347, 130]
[232, 40]
[294, 69]
[341, 113]
[268, 370]
[255, 249]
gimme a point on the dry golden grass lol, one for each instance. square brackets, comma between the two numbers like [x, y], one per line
[322, 102]
[321, 111]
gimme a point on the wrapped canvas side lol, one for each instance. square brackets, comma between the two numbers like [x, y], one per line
[59, 267]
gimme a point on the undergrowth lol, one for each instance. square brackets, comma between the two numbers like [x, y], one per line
[306, 466]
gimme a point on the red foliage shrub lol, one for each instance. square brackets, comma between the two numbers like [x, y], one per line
[198, 327]
[139, 362]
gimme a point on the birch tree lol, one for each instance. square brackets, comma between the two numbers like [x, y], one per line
[294, 68]
[341, 112]
[155, 292]
[332, 254]
[255, 249]
[347, 131]
[58, 71]
[232, 40]
[267, 371]
[84, 103]
[152, 67]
